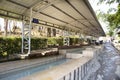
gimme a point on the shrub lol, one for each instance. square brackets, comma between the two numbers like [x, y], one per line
[74, 40]
[51, 41]
[55, 41]
[13, 45]
[59, 41]
[38, 43]
[9, 46]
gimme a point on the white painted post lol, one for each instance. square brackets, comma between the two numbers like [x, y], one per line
[22, 49]
[30, 25]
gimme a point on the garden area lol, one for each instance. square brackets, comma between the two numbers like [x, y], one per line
[10, 47]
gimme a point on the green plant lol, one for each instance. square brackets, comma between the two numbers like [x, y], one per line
[74, 40]
[51, 41]
[13, 45]
[59, 41]
[38, 43]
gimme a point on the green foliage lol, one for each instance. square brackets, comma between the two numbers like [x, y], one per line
[74, 40]
[55, 41]
[9, 46]
[108, 1]
[59, 41]
[102, 16]
[38, 43]
[51, 41]
[113, 19]
[13, 45]
[110, 33]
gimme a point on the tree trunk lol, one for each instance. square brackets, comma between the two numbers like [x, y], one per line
[5, 27]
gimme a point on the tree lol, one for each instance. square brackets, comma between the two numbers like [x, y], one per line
[112, 19]
[108, 1]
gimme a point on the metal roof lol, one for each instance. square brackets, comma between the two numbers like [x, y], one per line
[76, 15]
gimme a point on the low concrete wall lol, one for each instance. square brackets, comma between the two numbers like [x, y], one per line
[63, 52]
[73, 55]
[75, 69]
[92, 52]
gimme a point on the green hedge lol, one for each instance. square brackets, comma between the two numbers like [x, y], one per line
[13, 45]
[59, 41]
[9, 46]
[38, 43]
[52, 41]
[74, 41]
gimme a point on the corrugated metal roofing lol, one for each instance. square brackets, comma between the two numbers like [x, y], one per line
[77, 14]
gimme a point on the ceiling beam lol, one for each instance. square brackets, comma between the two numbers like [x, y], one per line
[36, 3]
[58, 19]
[43, 13]
[67, 14]
[10, 14]
[24, 6]
[80, 13]
[47, 5]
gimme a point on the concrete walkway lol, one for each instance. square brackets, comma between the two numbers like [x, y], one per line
[8, 67]
[109, 60]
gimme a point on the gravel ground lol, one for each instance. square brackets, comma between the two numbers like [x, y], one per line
[109, 61]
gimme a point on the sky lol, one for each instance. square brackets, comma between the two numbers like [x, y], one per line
[104, 8]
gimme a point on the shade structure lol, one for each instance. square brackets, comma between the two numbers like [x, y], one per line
[72, 15]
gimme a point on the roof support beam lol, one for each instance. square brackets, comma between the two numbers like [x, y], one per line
[75, 8]
[37, 3]
[17, 4]
[10, 14]
[79, 12]
[47, 5]
[42, 13]
[58, 19]
[68, 15]
[46, 14]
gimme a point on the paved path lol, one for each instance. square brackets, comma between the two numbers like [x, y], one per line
[7, 67]
[108, 60]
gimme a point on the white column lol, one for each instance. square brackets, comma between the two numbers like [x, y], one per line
[30, 25]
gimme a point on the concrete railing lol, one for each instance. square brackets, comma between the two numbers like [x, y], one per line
[83, 71]
[79, 73]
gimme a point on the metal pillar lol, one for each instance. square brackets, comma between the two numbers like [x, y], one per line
[26, 35]
[66, 39]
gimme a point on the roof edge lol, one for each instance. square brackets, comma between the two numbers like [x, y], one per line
[93, 13]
